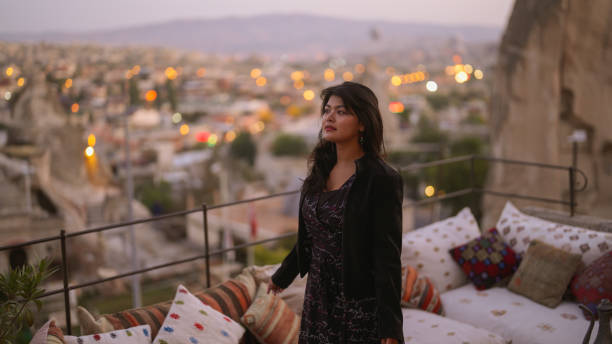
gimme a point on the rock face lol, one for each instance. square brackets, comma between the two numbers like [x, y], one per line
[553, 77]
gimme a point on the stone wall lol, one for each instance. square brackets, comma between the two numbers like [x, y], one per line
[553, 76]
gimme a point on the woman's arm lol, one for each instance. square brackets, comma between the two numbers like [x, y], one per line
[386, 221]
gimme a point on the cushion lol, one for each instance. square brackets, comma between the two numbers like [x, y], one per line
[48, 333]
[189, 320]
[428, 328]
[419, 292]
[594, 283]
[133, 335]
[426, 249]
[544, 273]
[293, 295]
[518, 229]
[486, 260]
[515, 317]
[231, 298]
[271, 320]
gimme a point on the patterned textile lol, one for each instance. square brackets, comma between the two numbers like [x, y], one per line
[133, 335]
[328, 316]
[515, 317]
[518, 229]
[231, 298]
[544, 273]
[486, 260]
[427, 249]
[594, 283]
[419, 292]
[427, 328]
[189, 320]
[271, 320]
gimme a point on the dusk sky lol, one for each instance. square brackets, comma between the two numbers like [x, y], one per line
[80, 15]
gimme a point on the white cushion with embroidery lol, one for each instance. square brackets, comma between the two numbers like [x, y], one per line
[191, 321]
[518, 229]
[426, 249]
[133, 335]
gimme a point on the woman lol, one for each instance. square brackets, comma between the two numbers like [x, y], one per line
[349, 233]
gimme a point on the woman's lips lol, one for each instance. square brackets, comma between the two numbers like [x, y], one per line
[329, 128]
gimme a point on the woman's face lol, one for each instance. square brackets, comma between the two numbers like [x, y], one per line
[338, 124]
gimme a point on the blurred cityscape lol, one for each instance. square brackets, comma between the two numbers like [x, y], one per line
[83, 126]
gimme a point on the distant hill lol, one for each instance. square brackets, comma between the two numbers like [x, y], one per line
[271, 34]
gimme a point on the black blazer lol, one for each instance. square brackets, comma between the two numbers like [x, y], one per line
[371, 243]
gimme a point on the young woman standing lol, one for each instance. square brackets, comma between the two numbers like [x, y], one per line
[349, 233]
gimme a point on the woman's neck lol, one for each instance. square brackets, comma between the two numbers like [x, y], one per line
[346, 154]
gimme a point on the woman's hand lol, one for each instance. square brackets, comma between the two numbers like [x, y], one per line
[388, 341]
[273, 287]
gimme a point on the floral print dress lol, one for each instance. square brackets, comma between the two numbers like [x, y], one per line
[328, 316]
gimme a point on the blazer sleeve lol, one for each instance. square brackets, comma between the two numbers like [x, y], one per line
[288, 269]
[387, 197]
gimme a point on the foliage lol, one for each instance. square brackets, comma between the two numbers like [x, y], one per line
[438, 101]
[289, 145]
[171, 91]
[428, 132]
[19, 288]
[134, 92]
[155, 196]
[267, 256]
[243, 147]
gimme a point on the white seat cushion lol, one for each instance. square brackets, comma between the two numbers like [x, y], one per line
[422, 327]
[516, 317]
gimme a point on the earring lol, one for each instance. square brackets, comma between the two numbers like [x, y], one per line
[361, 139]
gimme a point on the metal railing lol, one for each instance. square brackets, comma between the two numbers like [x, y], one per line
[207, 253]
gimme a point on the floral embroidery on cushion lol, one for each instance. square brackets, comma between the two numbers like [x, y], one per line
[546, 327]
[498, 313]
[569, 316]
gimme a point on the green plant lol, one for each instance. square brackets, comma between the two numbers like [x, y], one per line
[19, 288]
[244, 147]
[289, 145]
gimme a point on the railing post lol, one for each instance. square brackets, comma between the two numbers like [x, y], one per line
[66, 287]
[572, 190]
[473, 184]
[206, 246]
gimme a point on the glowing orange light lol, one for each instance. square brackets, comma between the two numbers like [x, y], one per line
[396, 80]
[347, 76]
[456, 59]
[151, 95]
[20, 82]
[9, 71]
[75, 108]
[396, 107]
[329, 74]
[261, 81]
[359, 68]
[129, 74]
[201, 72]
[136, 69]
[309, 94]
[255, 73]
[297, 75]
[298, 84]
[184, 129]
[230, 136]
[171, 73]
[91, 140]
[68, 83]
[89, 151]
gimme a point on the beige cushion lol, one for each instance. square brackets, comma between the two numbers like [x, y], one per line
[293, 295]
[270, 319]
[544, 273]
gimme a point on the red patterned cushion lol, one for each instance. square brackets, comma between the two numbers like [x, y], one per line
[486, 260]
[594, 283]
[419, 292]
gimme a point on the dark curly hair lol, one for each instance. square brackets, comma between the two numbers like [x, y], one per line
[361, 102]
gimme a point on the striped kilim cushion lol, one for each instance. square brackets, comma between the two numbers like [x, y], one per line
[419, 292]
[231, 298]
[271, 320]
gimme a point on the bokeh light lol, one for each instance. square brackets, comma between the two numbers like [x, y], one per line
[151, 95]
[431, 86]
[309, 94]
[429, 191]
[184, 129]
[261, 81]
[255, 73]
